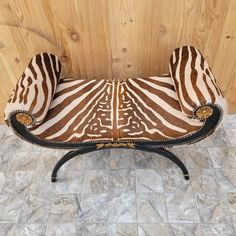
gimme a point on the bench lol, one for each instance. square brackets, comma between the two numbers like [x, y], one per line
[150, 114]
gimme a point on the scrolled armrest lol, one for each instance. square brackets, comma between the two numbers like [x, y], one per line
[195, 84]
[34, 90]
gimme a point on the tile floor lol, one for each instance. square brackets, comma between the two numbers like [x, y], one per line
[119, 192]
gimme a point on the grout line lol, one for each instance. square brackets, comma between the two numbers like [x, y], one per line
[222, 196]
[21, 209]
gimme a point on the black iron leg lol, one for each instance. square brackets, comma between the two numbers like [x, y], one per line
[154, 149]
[66, 158]
[168, 155]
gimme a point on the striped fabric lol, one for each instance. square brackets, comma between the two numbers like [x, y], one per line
[141, 108]
[36, 87]
[193, 80]
[153, 108]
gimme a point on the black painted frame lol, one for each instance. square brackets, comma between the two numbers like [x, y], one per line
[209, 126]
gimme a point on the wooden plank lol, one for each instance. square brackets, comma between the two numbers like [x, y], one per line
[116, 39]
[225, 62]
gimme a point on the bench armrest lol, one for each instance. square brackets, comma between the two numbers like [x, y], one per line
[34, 90]
[195, 84]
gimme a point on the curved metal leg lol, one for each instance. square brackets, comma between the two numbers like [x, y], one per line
[168, 155]
[66, 158]
[154, 149]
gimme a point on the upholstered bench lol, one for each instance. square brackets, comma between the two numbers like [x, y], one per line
[148, 114]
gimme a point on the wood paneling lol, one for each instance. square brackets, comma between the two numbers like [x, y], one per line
[116, 39]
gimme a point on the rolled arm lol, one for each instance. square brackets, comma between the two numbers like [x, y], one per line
[34, 90]
[195, 84]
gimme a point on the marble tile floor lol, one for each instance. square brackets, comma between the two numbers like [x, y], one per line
[119, 192]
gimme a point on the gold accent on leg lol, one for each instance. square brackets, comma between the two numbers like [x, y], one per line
[115, 145]
[204, 112]
[24, 118]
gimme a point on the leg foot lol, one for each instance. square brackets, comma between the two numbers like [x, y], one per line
[53, 179]
[186, 177]
[169, 155]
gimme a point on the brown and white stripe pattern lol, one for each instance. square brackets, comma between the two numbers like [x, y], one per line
[36, 87]
[141, 108]
[194, 82]
[152, 108]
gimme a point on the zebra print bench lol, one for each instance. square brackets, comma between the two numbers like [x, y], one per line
[148, 114]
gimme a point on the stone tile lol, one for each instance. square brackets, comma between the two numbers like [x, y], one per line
[231, 133]
[64, 209]
[234, 149]
[217, 139]
[48, 159]
[93, 208]
[41, 183]
[114, 171]
[10, 206]
[95, 181]
[146, 160]
[76, 163]
[148, 181]
[17, 182]
[153, 229]
[121, 159]
[185, 230]
[122, 229]
[91, 229]
[230, 121]
[212, 209]
[69, 182]
[3, 179]
[36, 209]
[181, 208]
[223, 157]
[3, 129]
[121, 181]
[9, 132]
[227, 179]
[173, 181]
[13, 143]
[218, 230]
[61, 229]
[122, 208]
[7, 229]
[19, 161]
[151, 208]
[29, 147]
[230, 199]
[97, 160]
[23, 229]
[198, 158]
[204, 180]
[167, 164]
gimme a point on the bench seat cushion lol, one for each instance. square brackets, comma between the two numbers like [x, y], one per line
[131, 109]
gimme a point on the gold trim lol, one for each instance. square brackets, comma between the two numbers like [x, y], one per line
[204, 112]
[24, 118]
[114, 145]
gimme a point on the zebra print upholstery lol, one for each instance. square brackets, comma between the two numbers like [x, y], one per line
[194, 82]
[36, 87]
[153, 108]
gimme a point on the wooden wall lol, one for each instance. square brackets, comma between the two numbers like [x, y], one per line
[116, 38]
